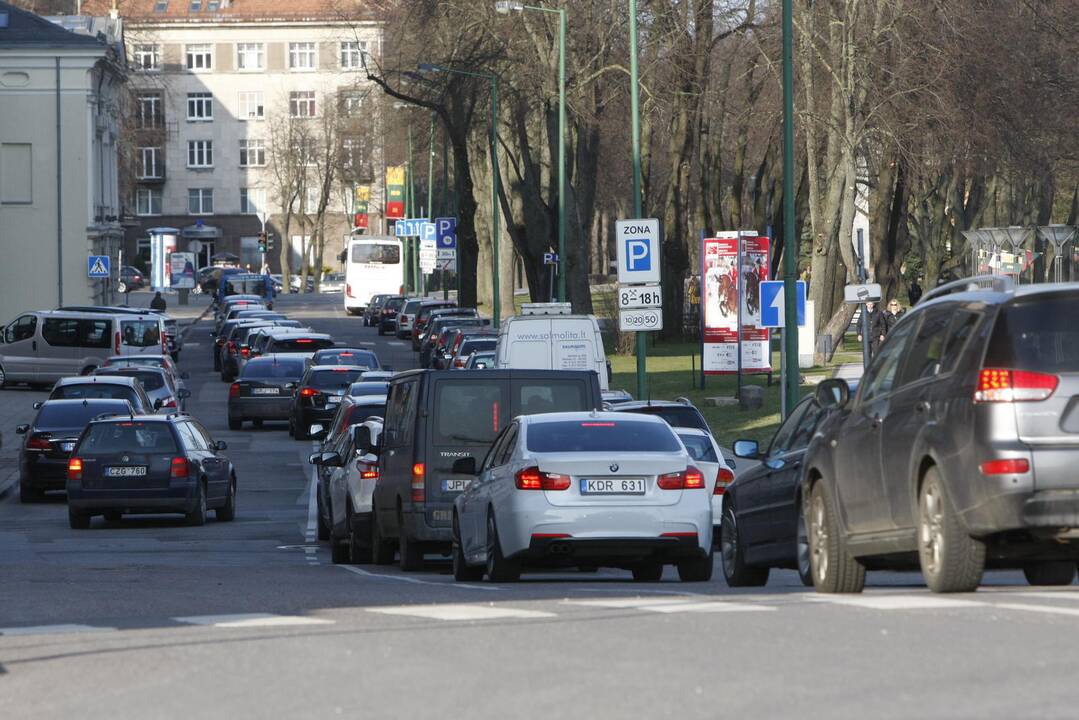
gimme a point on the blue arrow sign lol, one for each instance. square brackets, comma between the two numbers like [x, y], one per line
[98, 266]
[446, 233]
[411, 227]
[772, 304]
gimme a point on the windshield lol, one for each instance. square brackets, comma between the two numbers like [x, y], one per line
[136, 360]
[359, 358]
[376, 254]
[605, 436]
[93, 390]
[149, 379]
[700, 448]
[76, 414]
[371, 387]
[1038, 334]
[363, 411]
[336, 379]
[135, 437]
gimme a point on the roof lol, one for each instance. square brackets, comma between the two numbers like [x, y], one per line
[235, 10]
[96, 380]
[25, 30]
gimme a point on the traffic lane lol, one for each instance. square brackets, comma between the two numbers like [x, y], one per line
[16, 408]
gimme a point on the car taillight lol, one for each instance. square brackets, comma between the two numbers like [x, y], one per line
[245, 352]
[234, 390]
[459, 363]
[309, 392]
[369, 474]
[348, 290]
[74, 469]
[419, 474]
[170, 403]
[534, 479]
[179, 468]
[688, 479]
[116, 344]
[723, 478]
[37, 442]
[1005, 466]
[232, 347]
[1002, 385]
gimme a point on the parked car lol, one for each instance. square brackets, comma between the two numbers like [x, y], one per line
[425, 312]
[387, 316]
[708, 458]
[424, 336]
[410, 310]
[152, 464]
[678, 413]
[465, 342]
[90, 387]
[614, 397]
[131, 278]
[159, 384]
[317, 396]
[51, 437]
[288, 340]
[373, 310]
[586, 490]
[959, 448]
[148, 360]
[351, 471]
[332, 283]
[263, 390]
[437, 332]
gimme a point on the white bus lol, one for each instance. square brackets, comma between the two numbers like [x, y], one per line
[373, 266]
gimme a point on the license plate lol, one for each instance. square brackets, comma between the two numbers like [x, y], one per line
[612, 486]
[333, 399]
[132, 471]
[67, 447]
[455, 485]
[266, 391]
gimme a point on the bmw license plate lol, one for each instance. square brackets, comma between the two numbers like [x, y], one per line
[266, 391]
[455, 485]
[128, 471]
[612, 486]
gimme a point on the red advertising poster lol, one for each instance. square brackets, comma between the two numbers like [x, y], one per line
[360, 220]
[732, 267]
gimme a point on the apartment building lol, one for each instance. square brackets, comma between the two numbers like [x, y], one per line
[229, 97]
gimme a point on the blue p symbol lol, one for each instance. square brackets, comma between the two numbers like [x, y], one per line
[638, 257]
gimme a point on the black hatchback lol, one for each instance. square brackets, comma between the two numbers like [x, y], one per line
[149, 464]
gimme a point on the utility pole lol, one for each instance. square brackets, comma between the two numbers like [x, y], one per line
[790, 239]
[430, 178]
[635, 98]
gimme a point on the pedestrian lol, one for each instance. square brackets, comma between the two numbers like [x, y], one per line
[158, 303]
[890, 317]
[873, 323]
[915, 292]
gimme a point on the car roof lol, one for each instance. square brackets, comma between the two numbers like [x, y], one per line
[109, 309]
[492, 374]
[688, 431]
[132, 368]
[96, 379]
[305, 332]
[154, 417]
[639, 404]
[135, 358]
[71, 402]
[587, 416]
[280, 357]
[346, 349]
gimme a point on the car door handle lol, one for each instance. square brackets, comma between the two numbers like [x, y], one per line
[921, 407]
[874, 422]
[33, 344]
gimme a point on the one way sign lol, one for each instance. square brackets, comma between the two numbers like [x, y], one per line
[772, 303]
[98, 266]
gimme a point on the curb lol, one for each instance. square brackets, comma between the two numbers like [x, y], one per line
[9, 482]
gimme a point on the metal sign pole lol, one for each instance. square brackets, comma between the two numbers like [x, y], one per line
[738, 299]
[700, 309]
[864, 322]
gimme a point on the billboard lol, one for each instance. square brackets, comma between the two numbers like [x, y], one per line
[733, 265]
[395, 192]
[182, 270]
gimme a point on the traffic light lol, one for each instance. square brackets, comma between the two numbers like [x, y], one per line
[270, 238]
[262, 242]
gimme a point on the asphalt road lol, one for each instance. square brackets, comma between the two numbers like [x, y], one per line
[150, 618]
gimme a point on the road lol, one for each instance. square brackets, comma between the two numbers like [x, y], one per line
[150, 618]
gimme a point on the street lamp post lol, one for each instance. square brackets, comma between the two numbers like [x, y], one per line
[505, 7]
[790, 240]
[635, 102]
[430, 179]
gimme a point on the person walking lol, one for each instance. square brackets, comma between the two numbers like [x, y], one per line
[158, 303]
[890, 317]
[874, 323]
[915, 292]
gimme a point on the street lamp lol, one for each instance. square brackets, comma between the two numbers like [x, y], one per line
[635, 106]
[504, 7]
[496, 219]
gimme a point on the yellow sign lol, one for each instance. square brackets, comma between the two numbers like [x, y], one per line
[363, 193]
[395, 175]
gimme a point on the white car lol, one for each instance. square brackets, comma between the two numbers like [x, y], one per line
[352, 480]
[583, 490]
[708, 458]
[332, 283]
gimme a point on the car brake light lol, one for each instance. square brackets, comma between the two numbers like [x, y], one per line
[1005, 466]
[459, 363]
[723, 478]
[234, 390]
[1002, 385]
[308, 392]
[348, 290]
[38, 442]
[116, 344]
[74, 469]
[688, 479]
[179, 468]
[304, 341]
[534, 479]
[369, 474]
[419, 472]
[245, 352]
[550, 536]
[170, 403]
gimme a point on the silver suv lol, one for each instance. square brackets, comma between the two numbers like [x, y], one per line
[960, 448]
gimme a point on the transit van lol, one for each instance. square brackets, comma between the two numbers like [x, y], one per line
[545, 336]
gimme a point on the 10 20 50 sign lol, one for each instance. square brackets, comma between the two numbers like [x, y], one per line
[640, 320]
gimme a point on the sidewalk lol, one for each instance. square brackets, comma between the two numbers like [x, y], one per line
[197, 304]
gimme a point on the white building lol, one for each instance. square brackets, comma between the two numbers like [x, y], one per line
[60, 110]
[216, 83]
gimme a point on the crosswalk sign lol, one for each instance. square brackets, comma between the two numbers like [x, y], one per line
[98, 266]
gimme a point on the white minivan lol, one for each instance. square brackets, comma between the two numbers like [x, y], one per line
[43, 346]
[545, 336]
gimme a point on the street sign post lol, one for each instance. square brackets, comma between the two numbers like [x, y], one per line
[550, 258]
[773, 301]
[428, 253]
[98, 266]
[409, 227]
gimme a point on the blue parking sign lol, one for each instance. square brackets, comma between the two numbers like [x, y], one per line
[446, 233]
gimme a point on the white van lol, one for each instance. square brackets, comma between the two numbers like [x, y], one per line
[42, 347]
[545, 336]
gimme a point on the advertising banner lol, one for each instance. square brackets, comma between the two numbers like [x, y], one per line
[395, 192]
[182, 270]
[361, 197]
[732, 267]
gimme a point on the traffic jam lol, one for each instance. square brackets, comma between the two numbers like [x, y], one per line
[506, 451]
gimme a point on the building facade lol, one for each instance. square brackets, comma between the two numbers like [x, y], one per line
[61, 97]
[242, 108]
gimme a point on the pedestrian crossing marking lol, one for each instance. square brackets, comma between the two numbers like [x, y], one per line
[53, 629]
[670, 605]
[896, 602]
[461, 612]
[1048, 609]
[251, 620]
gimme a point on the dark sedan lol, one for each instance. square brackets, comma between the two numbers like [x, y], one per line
[264, 390]
[89, 387]
[387, 315]
[356, 357]
[374, 309]
[51, 438]
[318, 396]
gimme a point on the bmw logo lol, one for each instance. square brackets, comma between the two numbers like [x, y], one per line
[614, 467]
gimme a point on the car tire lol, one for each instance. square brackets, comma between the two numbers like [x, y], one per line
[835, 570]
[235, 423]
[650, 572]
[323, 528]
[339, 552]
[951, 560]
[801, 548]
[121, 287]
[462, 571]
[697, 569]
[113, 516]
[217, 363]
[29, 495]
[499, 569]
[358, 549]
[298, 432]
[381, 549]
[227, 511]
[3, 377]
[409, 552]
[735, 570]
[77, 520]
[197, 517]
[1050, 572]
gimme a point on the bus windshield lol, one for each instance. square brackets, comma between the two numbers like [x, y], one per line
[376, 254]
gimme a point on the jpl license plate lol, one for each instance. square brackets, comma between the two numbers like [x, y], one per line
[612, 486]
[131, 471]
[266, 391]
[455, 485]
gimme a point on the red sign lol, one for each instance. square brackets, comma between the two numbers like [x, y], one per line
[732, 268]
[395, 210]
[361, 220]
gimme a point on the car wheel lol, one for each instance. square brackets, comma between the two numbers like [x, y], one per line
[78, 521]
[1050, 572]
[357, 547]
[28, 494]
[805, 572]
[197, 516]
[298, 432]
[409, 552]
[499, 569]
[121, 287]
[113, 516]
[735, 570]
[3, 377]
[462, 571]
[228, 511]
[235, 423]
[381, 548]
[648, 572]
[951, 560]
[698, 569]
[835, 570]
[339, 552]
[217, 363]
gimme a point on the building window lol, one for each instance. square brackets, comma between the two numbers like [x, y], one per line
[301, 56]
[252, 200]
[309, 152]
[252, 153]
[199, 57]
[161, 6]
[147, 58]
[200, 107]
[352, 54]
[250, 56]
[151, 163]
[200, 153]
[213, 5]
[196, 5]
[351, 104]
[149, 111]
[147, 201]
[301, 103]
[251, 107]
[200, 201]
[352, 153]
[311, 199]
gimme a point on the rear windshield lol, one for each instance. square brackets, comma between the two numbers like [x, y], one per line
[133, 437]
[301, 344]
[1039, 334]
[140, 333]
[394, 303]
[359, 358]
[369, 387]
[604, 436]
[468, 413]
[283, 368]
[76, 415]
[675, 416]
[376, 254]
[149, 380]
[700, 448]
[93, 390]
[470, 346]
[136, 360]
[332, 379]
[547, 396]
[359, 413]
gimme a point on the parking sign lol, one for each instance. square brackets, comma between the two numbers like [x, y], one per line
[638, 251]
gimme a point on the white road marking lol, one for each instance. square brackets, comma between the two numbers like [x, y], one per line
[53, 629]
[1048, 594]
[1049, 609]
[414, 581]
[312, 508]
[627, 603]
[251, 620]
[671, 605]
[460, 612]
[897, 602]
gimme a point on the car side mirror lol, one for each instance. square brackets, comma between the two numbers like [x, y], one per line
[22, 429]
[464, 466]
[749, 449]
[832, 393]
[290, 386]
[221, 445]
[317, 432]
[38, 404]
[183, 393]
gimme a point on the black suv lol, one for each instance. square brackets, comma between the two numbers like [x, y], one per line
[960, 447]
